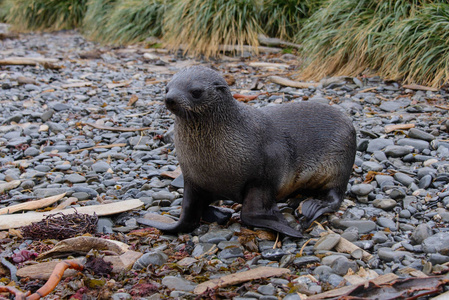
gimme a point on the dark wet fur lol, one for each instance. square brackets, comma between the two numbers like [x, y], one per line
[255, 156]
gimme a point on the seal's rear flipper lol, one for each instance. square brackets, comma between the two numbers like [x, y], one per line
[258, 212]
[311, 209]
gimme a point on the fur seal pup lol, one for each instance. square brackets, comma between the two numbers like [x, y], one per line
[229, 150]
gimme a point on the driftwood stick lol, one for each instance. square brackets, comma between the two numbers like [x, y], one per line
[391, 128]
[27, 61]
[419, 87]
[19, 220]
[287, 82]
[31, 205]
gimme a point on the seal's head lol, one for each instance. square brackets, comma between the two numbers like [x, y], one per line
[197, 91]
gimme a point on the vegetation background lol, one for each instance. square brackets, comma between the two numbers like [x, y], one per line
[404, 40]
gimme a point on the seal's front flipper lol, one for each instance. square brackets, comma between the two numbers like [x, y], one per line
[311, 209]
[260, 210]
[194, 203]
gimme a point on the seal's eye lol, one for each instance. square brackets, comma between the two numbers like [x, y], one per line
[166, 89]
[196, 93]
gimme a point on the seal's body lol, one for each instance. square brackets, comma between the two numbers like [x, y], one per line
[255, 156]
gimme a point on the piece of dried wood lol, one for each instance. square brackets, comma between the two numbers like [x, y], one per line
[172, 174]
[236, 278]
[420, 87]
[76, 84]
[268, 65]
[121, 129]
[43, 271]
[347, 289]
[276, 42]
[65, 203]
[31, 205]
[99, 147]
[291, 83]
[27, 61]
[19, 220]
[346, 246]
[118, 84]
[6, 186]
[393, 127]
[83, 244]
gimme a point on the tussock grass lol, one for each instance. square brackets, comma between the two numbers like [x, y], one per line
[202, 26]
[26, 15]
[96, 18]
[134, 20]
[421, 45]
[5, 7]
[284, 18]
[349, 37]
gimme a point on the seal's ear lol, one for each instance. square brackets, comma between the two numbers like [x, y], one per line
[218, 85]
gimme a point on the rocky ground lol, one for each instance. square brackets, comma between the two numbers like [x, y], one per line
[55, 116]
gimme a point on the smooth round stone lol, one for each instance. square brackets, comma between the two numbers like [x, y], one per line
[81, 195]
[216, 236]
[75, 178]
[364, 226]
[48, 192]
[267, 289]
[405, 213]
[379, 156]
[419, 134]
[378, 144]
[327, 242]
[154, 257]
[47, 115]
[397, 194]
[387, 223]
[384, 180]
[390, 106]
[334, 279]
[372, 166]
[425, 182]
[421, 232]
[104, 226]
[305, 260]
[178, 283]
[31, 151]
[397, 151]
[387, 254]
[379, 237]
[322, 270]
[420, 145]
[404, 178]
[27, 184]
[437, 243]
[230, 252]
[100, 167]
[341, 266]
[385, 204]
[362, 189]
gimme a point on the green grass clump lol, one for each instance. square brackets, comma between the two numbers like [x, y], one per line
[284, 18]
[349, 37]
[26, 15]
[421, 47]
[5, 7]
[202, 26]
[132, 21]
[96, 17]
